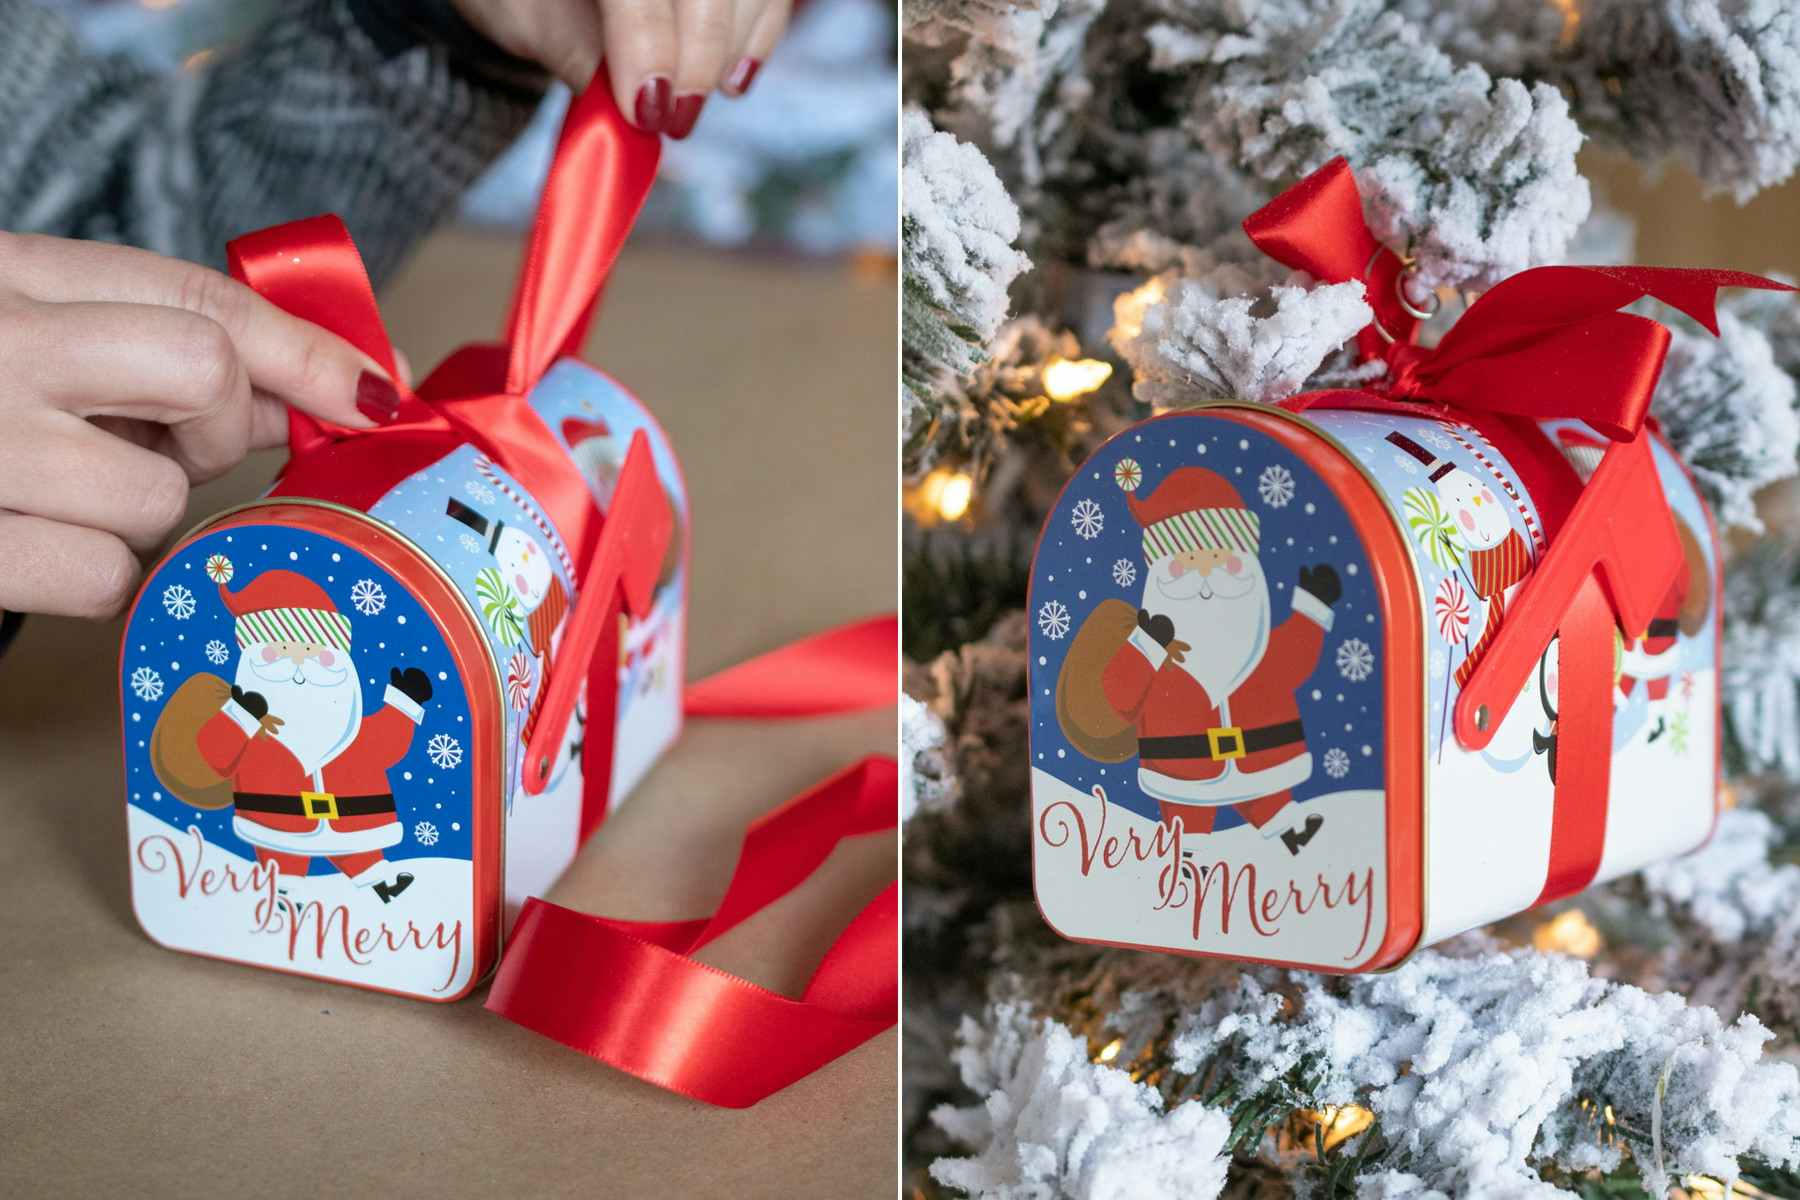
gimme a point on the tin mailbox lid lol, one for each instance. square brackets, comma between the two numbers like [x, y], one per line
[1282, 824]
[403, 899]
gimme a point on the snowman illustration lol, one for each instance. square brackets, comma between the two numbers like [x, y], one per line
[524, 567]
[1496, 555]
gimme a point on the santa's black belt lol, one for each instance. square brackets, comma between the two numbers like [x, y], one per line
[325, 806]
[1664, 627]
[1224, 742]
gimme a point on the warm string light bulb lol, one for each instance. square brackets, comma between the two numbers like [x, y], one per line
[1338, 1123]
[1568, 933]
[943, 496]
[1068, 378]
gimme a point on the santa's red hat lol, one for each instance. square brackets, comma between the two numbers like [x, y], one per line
[285, 606]
[575, 430]
[1582, 449]
[1194, 509]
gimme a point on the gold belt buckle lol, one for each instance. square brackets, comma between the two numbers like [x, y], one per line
[1232, 732]
[330, 810]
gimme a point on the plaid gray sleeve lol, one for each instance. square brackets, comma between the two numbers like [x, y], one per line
[382, 111]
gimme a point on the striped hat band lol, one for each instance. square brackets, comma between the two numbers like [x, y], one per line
[317, 625]
[1202, 529]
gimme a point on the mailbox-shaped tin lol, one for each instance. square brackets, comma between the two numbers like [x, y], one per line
[326, 709]
[1250, 630]
[369, 714]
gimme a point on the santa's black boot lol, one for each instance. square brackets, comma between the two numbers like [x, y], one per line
[1662, 726]
[387, 891]
[1295, 839]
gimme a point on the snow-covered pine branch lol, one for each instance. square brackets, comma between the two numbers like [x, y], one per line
[1760, 675]
[1728, 410]
[957, 228]
[1474, 175]
[1475, 1067]
[1190, 340]
[1714, 84]
[927, 780]
[1051, 1123]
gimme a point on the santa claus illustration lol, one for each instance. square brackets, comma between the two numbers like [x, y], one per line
[308, 770]
[1498, 557]
[1201, 680]
[1653, 656]
[598, 453]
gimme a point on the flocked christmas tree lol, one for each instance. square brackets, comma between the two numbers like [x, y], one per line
[1075, 174]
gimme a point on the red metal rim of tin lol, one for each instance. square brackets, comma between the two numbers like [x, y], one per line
[474, 663]
[1402, 619]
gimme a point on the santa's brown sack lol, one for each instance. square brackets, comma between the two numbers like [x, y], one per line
[1092, 725]
[174, 744]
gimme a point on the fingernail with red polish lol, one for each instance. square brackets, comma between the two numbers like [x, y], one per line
[686, 112]
[652, 110]
[738, 82]
[377, 398]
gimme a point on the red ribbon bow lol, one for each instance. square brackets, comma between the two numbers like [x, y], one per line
[598, 182]
[1545, 343]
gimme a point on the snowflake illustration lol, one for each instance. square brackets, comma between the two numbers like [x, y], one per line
[368, 596]
[479, 492]
[1124, 572]
[1275, 485]
[1337, 763]
[1407, 464]
[146, 684]
[470, 542]
[1439, 661]
[444, 751]
[425, 833]
[1088, 520]
[217, 652]
[219, 569]
[1127, 474]
[178, 601]
[1053, 620]
[1438, 438]
[1355, 661]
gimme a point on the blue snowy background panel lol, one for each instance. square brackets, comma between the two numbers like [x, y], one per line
[181, 627]
[1092, 550]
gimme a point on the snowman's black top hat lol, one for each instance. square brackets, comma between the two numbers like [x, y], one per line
[1439, 467]
[490, 529]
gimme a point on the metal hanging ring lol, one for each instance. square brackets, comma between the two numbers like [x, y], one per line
[1408, 266]
[1412, 310]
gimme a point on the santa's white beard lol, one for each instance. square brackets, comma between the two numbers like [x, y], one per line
[320, 710]
[1223, 618]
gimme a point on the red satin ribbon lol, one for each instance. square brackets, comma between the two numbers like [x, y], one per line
[597, 184]
[1545, 343]
[854, 666]
[629, 993]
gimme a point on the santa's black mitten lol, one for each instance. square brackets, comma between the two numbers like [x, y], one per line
[1159, 627]
[251, 702]
[1322, 582]
[411, 683]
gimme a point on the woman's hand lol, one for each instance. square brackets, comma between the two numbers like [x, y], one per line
[665, 56]
[127, 377]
